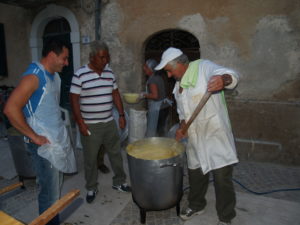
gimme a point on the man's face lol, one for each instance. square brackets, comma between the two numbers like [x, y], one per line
[100, 60]
[61, 60]
[176, 72]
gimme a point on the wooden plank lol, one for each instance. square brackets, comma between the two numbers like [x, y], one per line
[8, 220]
[10, 187]
[55, 208]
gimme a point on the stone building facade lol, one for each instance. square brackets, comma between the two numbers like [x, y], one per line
[258, 38]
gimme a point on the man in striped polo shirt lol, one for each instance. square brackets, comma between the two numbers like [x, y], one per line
[93, 92]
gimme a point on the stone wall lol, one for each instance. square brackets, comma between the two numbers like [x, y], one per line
[260, 39]
[266, 130]
[16, 29]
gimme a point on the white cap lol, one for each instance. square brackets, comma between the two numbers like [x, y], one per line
[167, 56]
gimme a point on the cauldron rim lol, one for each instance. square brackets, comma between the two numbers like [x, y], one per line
[157, 139]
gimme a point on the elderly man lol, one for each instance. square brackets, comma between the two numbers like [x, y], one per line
[210, 145]
[33, 109]
[94, 90]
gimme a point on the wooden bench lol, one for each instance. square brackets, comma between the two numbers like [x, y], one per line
[46, 216]
[10, 187]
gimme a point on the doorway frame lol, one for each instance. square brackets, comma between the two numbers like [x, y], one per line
[51, 12]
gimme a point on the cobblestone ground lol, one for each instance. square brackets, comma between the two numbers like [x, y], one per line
[252, 177]
[13, 202]
[248, 177]
[270, 180]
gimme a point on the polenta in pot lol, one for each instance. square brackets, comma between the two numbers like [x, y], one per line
[153, 150]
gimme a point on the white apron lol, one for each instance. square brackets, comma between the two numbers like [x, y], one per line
[47, 121]
[210, 139]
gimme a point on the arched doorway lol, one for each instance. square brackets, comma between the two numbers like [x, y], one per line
[158, 42]
[181, 39]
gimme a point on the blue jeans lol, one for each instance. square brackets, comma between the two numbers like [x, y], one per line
[49, 180]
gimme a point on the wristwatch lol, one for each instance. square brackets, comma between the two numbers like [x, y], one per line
[226, 79]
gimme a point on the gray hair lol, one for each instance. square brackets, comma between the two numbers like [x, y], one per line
[182, 59]
[151, 63]
[97, 46]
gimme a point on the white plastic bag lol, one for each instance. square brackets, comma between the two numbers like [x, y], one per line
[122, 132]
[59, 152]
[137, 124]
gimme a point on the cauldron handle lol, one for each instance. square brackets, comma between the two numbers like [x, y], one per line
[170, 165]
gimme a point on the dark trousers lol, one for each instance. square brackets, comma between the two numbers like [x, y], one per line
[162, 121]
[105, 134]
[100, 157]
[224, 191]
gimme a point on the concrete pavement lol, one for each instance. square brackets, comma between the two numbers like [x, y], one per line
[114, 208]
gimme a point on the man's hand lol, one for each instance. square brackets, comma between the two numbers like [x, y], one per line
[180, 135]
[40, 140]
[218, 82]
[142, 95]
[84, 129]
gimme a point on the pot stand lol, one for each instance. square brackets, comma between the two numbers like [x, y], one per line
[144, 211]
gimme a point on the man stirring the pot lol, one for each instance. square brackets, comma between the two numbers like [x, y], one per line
[210, 145]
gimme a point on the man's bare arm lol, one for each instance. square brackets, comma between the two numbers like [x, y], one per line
[118, 102]
[74, 100]
[15, 103]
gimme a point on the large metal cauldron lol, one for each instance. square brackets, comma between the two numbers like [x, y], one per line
[156, 184]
